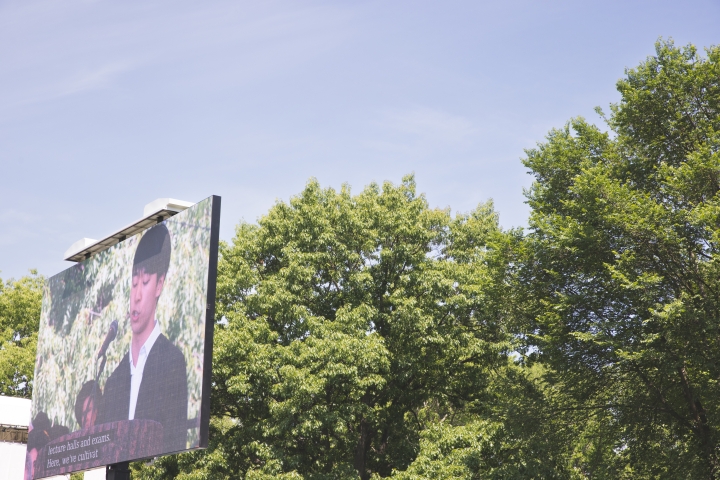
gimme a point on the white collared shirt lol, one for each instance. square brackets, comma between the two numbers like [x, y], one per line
[136, 371]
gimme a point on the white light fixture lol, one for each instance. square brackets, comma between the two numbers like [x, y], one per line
[153, 213]
[168, 204]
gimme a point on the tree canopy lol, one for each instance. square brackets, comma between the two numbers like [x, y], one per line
[622, 270]
[344, 318]
[19, 320]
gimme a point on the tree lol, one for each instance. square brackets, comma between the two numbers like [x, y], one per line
[19, 319]
[623, 276]
[519, 430]
[345, 322]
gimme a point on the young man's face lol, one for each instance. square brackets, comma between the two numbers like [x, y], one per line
[146, 288]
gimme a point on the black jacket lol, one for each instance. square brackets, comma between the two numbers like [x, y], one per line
[162, 396]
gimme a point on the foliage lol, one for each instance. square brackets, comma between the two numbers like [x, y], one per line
[19, 314]
[623, 273]
[343, 318]
[511, 433]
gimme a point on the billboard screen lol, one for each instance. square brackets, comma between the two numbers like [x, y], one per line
[124, 349]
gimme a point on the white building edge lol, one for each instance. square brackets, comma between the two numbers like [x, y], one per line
[14, 422]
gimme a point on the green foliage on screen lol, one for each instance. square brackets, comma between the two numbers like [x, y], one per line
[80, 303]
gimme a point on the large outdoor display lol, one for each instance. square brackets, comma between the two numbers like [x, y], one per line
[124, 349]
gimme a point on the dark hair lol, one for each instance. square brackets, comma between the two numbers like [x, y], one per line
[43, 433]
[153, 252]
[38, 436]
[89, 389]
[57, 431]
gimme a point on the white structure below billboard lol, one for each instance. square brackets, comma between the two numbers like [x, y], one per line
[12, 459]
[14, 421]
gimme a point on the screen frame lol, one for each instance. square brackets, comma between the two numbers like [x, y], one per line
[209, 323]
[203, 415]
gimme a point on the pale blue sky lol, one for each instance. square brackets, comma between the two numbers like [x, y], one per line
[106, 105]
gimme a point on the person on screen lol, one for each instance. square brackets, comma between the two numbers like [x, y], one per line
[40, 433]
[150, 381]
[87, 404]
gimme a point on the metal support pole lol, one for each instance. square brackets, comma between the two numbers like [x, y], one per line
[118, 471]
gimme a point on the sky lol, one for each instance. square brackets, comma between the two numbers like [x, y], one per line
[106, 106]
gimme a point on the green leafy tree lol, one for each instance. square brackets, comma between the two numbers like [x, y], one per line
[346, 323]
[519, 430]
[623, 279]
[20, 302]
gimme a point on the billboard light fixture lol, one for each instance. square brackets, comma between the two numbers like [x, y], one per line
[153, 213]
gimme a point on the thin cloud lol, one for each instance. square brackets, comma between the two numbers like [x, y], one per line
[12, 215]
[76, 83]
[101, 77]
[227, 44]
[430, 124]
[16, 226]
